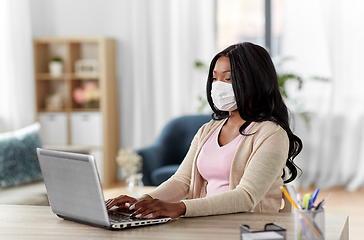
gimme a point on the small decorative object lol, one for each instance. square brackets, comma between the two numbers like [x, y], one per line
[135, 184]
[87, 95]
[87, 68]
[130, 165]
[56, 66]
[55, 102]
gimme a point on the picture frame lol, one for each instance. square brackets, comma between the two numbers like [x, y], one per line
[87, 68]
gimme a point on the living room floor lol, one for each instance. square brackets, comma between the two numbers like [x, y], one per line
[342, 201]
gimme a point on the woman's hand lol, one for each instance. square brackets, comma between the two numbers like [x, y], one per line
[153, 208]
[124, 201]
[120, 202]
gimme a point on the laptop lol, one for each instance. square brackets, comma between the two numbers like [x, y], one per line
[75, 193]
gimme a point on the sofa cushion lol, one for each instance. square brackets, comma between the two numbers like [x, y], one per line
[162, 174]
[18, 158]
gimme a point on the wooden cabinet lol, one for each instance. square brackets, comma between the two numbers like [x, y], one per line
[78, 105]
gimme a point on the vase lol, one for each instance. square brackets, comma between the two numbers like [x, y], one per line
[135, 184]
[91, 104]
[55, 68]
[122, 174]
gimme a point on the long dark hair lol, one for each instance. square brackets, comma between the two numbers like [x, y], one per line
[255, 85]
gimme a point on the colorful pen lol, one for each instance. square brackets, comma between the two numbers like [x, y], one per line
[315, 196]
[321, 204]
[306, 198]
[299, 201]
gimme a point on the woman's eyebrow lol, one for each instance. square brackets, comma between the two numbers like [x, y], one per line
[223, 71]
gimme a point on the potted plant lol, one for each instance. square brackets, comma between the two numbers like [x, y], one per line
[56, 66]
[283, 78]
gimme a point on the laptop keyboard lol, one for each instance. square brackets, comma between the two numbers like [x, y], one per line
[120, 217]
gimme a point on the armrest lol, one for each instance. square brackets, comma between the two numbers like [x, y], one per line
[162, 174]
[153, 158]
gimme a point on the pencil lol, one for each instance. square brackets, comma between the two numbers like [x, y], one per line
[289, 197]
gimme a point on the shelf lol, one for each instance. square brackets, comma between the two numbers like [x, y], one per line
[44, 110]
[47, 76]
[72, 76]
[56, 94]
[51, 94]
[85, 110]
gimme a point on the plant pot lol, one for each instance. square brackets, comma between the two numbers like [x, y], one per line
[91, 104]
[56, 68]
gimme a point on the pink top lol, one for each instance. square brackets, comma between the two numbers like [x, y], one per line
[214, 161]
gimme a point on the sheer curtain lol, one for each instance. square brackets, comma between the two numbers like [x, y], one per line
[325, 39]
[167, 38]
[17, 107]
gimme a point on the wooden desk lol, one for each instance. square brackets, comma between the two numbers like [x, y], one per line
[39, 222]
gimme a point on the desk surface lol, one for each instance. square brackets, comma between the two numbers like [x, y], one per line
[39, 222]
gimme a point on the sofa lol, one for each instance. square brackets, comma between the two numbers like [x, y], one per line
[21, 181]
[162, 158]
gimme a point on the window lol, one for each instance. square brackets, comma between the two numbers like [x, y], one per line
[245, 21]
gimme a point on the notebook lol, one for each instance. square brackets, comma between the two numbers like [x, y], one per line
[75, 193]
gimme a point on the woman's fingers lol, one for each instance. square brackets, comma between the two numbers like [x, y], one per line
[119, 201]
[107, 202]
[148, 207]
[156, 208]
[143, 208]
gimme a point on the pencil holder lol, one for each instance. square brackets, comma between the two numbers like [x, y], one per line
[309, 224]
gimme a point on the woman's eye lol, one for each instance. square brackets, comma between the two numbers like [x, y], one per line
[228, 79]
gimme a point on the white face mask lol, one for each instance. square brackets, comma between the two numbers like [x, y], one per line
[223, 96]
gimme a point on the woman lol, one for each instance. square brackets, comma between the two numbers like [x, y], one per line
[239, 160]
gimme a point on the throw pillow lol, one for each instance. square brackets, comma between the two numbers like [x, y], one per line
[18, 157]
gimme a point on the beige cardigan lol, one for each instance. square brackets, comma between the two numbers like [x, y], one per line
[255, 176]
